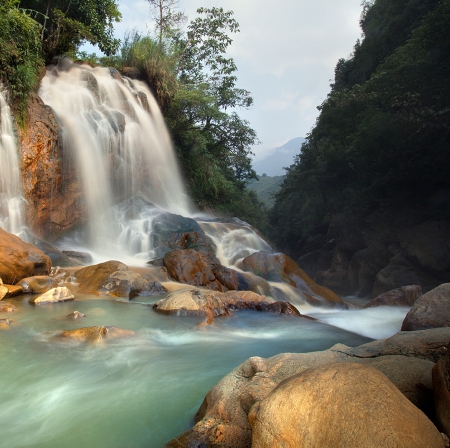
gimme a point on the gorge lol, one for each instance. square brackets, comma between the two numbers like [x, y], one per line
[95, 172]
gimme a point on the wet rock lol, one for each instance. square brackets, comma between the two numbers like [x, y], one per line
[323, 406]
[37, 284]
[404, 296]
[191, 267]
[279, 267]
[3, 290]
[94, 334]
[76, 315]
[6, 324]
[115, 279]
[13, 290]
[222, 419]
[51, 188]
[192, 302]
[242, 300]
[84, 257]
[177, 233]
[432, 310]
[20, 259]
[54, 295]
[132, 72]
[7, 307]
[441, 389]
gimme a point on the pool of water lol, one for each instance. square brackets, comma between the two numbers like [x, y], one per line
[139, 391]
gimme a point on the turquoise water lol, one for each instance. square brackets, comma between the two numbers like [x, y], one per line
[136, 392]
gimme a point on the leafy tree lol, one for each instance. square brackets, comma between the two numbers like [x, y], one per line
[66, 24]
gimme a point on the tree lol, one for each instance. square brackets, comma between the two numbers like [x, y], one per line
[167, 19]
[66, 24]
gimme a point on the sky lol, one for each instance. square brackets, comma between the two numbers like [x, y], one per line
[285, 53]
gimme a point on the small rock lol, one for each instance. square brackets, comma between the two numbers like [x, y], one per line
[59, 294]
[76, 315]
[93, 334]
[7, 307]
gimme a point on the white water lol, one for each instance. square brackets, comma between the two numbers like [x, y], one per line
[122, 147]
[11, 200]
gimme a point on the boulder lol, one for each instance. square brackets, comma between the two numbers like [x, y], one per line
[7, 307]
[404, 296]
[115, 279]
[279, 267]
[191, 267]
[222, 419]
[176, 232]
[340, 405]
[83, 257]
[441, 389]
[432, 310]
[37, 284]
[20, 259]
[92, 334]
[58, 294]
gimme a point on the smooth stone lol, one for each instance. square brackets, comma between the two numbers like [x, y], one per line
[59, 294]
[94, 334]
[37, 284]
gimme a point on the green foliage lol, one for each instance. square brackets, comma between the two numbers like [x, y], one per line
[66, 24]
[381, 140]
[266, 187]
[19, 54]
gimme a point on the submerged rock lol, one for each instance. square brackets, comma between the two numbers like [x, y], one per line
[54, 295]
[222, 419]
[340, 405]
[432, 310]
[115, 279]
[93, 334]
[20, 259]
[37, 284]
[6, 324]
[404, 296]
[76, 315]
[7, 307]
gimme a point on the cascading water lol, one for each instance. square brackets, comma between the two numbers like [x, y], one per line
[11, 200]
[117, 133]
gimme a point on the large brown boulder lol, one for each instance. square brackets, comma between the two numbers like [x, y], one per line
[222, 420]
[441, 389]
[51, 187]
[115, 279]
[340, 405]
[20, 259]
[404, 296]
[193, 268]
[279, 267]
[432, 310]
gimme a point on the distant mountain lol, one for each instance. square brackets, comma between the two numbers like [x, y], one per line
[281, 157]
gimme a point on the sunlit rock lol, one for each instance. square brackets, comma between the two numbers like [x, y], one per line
[322, 407]
[441, 389]
[432, 310]
[20, 259]
[279, 267]
[54, 295]
[115, 279]
[13, 290]
[94, 334]
[3, 290]
[222, 420]
[37, 284]
[404, 296]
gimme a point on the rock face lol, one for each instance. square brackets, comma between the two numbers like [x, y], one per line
[279, 267]
[20, 260]
[59, 294]
[441, 389]
[115, 279]
[37, 284]
[50, 186]
[92, 334]
[432, 310]
[404, 296]
[222, 420]
[352, 257]
[331, 405]
[191, 267]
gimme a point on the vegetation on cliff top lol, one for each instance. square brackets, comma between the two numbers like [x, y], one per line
[381, 140]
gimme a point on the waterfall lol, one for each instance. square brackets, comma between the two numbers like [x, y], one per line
[11, 200]
[116, 131]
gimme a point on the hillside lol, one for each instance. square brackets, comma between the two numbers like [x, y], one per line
[265, 188]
